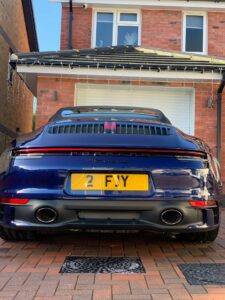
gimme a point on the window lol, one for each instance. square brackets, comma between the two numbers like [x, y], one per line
[104, 30]
[194, 33]
[116, 28]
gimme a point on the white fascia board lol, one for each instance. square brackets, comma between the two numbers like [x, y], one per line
[90, 73]
[165, 4]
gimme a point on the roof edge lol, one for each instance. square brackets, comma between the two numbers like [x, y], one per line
[177, 54]
[120, 50]
[30, 24]
[216, 5]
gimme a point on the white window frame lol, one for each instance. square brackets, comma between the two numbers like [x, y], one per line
[205, 31]
[116, 22]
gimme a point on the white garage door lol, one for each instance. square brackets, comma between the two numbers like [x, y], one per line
[176, 103]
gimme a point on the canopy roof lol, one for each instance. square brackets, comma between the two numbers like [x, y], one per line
[124, 57]
[128, 62]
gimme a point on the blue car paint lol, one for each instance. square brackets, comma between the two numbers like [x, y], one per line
[176, 140]
[47, 177]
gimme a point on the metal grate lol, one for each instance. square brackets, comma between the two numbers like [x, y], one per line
[122, 265]
[207, 274]
[98, 128]
[83, 128]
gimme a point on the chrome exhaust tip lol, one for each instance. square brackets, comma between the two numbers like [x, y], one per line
[171, 216]
[46, 215]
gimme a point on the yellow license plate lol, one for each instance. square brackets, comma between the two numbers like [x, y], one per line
[109, 182]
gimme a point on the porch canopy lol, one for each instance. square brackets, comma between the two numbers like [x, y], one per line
[121, 62]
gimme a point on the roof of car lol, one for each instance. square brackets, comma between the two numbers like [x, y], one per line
[80, 111]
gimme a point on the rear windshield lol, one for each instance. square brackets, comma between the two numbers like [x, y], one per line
[101, 112]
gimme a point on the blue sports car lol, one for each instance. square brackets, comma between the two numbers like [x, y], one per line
[109, 168]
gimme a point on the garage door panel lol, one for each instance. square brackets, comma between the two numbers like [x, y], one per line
[176, 103]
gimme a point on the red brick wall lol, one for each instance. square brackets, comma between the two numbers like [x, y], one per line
[16, 100]
[82, 26]
[46, 104]
[64, 28]
[167, 33]
[162, 29]
[206, 118]
[216, 34]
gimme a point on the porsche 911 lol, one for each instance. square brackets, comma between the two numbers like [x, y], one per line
[109, 168]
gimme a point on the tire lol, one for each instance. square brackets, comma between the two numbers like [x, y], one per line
[199, 237]
[17, 235]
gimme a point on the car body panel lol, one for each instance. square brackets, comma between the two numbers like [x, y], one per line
[175, 140]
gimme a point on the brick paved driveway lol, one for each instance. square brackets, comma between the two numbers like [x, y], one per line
[31, 270]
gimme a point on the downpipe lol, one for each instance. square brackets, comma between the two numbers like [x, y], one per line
[219, 118]
[70, 36]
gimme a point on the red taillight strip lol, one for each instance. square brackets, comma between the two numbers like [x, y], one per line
[203, 203]
[114, 150]
[14, 200]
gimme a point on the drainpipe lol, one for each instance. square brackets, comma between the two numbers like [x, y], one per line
[219, 117]
[70, 46]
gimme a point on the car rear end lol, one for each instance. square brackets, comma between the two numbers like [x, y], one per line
[110, 175]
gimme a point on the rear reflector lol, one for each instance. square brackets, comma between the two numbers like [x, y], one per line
[14, 200]
[203, 203]
[113, 150]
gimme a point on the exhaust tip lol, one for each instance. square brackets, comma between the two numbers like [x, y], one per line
[171, 216]
[46, 215]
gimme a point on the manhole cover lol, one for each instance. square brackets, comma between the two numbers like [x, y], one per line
[205, 274]
[76, 264]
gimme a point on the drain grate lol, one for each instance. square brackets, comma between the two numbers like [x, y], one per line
[77, 264]
[197, 274]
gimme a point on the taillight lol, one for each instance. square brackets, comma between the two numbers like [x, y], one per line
[112, 150]
[202, 203]
[14, 200]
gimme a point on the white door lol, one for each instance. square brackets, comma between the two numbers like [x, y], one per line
[176, 103]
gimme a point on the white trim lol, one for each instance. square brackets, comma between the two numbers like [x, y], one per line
[192, 112]
[205, 30]
[130, 23]
[93, 30]
[116, 22]
[115, 29]
[75, 93]
[167, 4]
[119, 74]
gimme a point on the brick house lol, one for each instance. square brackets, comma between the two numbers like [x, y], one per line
[17, 34]
[178, 68]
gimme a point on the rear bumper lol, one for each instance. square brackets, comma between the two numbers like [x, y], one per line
[109, 214]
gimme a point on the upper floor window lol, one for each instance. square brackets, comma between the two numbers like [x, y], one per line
[114, 28]
[104, 30]
[194, 33]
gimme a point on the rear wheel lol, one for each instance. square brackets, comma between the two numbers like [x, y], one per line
[199, 237]
[17, 235]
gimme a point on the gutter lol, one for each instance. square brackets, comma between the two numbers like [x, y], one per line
[216, 5]
[70, 46]
[219, 117]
